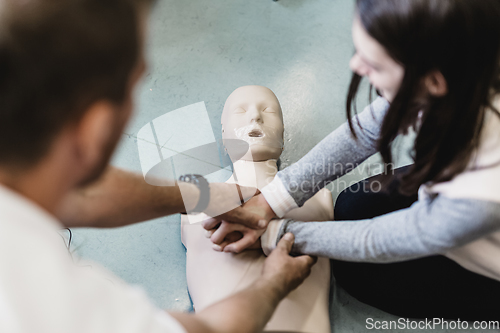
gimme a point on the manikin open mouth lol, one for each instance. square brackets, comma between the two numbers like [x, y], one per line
[256, 133]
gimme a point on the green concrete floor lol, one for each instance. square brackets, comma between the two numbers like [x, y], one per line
[201, 50]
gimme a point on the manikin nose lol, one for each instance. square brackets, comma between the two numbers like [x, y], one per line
[255, 116]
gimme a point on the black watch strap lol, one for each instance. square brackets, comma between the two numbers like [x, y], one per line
[204, 188]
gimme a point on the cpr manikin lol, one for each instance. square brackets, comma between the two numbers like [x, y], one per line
[253, 114]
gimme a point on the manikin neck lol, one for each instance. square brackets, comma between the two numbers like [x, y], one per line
[255, 174]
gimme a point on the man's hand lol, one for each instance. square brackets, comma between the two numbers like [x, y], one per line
[249, 310]
[286, 272]
[255, 213]
[225, 200]
[225, 197]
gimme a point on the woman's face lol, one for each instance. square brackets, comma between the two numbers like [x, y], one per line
[371, 60]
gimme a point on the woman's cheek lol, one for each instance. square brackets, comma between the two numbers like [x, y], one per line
[386, 83]
[376, 82]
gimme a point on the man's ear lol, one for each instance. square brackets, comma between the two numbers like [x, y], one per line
[94, 131]
[436, 84]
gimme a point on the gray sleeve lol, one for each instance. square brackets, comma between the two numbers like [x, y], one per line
[336, 155]
[428, 227]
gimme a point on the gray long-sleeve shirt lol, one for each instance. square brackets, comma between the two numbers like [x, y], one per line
[432, 225]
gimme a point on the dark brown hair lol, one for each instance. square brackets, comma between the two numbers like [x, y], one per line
[57, 57]
[459, 38]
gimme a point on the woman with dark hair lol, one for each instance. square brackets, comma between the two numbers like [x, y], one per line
[436, 225]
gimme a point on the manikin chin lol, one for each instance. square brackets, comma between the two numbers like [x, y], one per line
[253, 114]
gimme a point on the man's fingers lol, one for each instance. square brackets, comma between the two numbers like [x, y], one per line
[238, 246]
[210, 223]
[247, 218]
[308, 260]
[286, 243]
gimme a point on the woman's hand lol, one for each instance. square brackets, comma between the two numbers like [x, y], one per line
[241, 228]
[232, 237]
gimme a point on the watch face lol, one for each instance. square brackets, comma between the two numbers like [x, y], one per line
[191, 178]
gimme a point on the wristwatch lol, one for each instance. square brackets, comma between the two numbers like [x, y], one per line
[204, 188]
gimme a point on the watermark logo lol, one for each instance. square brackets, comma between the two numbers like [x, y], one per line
[429, 324]
[179, 142]
[182, 142]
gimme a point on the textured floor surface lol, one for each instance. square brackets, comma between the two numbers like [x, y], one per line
[201, 50]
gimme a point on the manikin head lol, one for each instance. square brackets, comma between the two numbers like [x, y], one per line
[253, 114]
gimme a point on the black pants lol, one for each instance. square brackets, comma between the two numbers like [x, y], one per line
[430, 287]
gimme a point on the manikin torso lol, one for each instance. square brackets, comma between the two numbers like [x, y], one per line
[213, 276]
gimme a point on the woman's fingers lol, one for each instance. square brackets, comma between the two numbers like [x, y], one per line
[210, 223]
[230, 237]
[209, 233]
[248, 240]
[223, 231]
[220, 247]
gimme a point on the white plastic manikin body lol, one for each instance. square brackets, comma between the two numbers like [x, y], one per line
[213, 276]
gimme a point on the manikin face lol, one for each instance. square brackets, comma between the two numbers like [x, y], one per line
[371, 60]
[253, 114]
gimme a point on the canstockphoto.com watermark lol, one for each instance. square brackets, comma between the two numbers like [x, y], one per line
[430, 324]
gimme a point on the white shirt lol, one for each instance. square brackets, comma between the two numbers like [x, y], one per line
[42, 291]
[481, 180]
